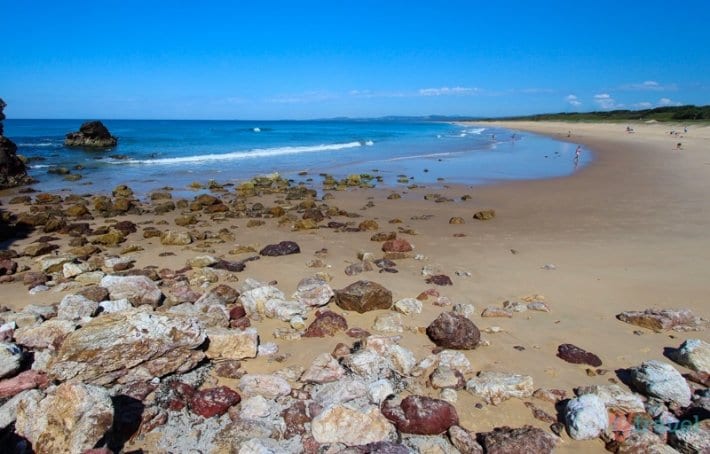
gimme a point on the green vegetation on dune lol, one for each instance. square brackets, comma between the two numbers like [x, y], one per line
[669, 113]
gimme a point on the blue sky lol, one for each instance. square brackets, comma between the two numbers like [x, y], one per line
[314, 59]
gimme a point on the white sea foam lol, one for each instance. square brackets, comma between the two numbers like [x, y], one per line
[254, 153]
[39, 145]
[39, 166]
[432, 155]
[256, 129]
[476, 131]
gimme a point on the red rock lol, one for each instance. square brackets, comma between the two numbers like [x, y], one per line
[295, 417]
[397, 245]
[326, 323]
[98, 451]
[524, 440]
[34, 278]
[237, 312]
[95, 293]
[575, 355]
[214, 401]
[421, 415]
[357, 333]
[241, 323]
[439, 279]
[451, 330]
[28, 379]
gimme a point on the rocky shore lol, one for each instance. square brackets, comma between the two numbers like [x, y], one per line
[265, 318]
[13, 171]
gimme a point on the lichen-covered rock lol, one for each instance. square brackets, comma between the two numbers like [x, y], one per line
[661, 380]
[136, 289]
[495, 387]
[363, 296]
[352, 425]
[71, 420]
[523, 440]
[127, 346]
[451, 330]
[586, 417]
[421, 415]
[693, 354]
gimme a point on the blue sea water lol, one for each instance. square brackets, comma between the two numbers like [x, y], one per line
[153, 153]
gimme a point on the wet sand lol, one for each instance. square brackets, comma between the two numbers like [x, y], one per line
[627, 232]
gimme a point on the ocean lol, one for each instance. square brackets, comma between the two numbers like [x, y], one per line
[153, 154]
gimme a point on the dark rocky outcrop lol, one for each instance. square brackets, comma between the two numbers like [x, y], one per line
[91, 134]
[13, 171]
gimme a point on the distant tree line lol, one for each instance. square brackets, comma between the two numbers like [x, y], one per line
[668, 113]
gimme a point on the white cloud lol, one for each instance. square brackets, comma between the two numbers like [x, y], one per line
[605, 101]
[643, 105]
[649, 85]
[668, 102]
[443, 91]
[573, 100]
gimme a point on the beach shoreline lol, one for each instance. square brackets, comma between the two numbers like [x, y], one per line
[626, 232]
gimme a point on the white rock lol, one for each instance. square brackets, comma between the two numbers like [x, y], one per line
[586, 417]
[8, 410]
[455, 360]
[515, 306]
[71, 269]
[368, 364]
[283, 310]
[76, 307]
[108, 307]
[661, 380]
[313, 292]
[10, 358]
[267, 348]
[429, 445]
[408, 306]
[53, 264]
[345, 390]
[693, 354]
[352, 425]
[403, 360]
[450, 395]
[255, 299]
[137, 289]
[323, 369]
[268, 386]
[42, 360]
[232, 343]
[444, 377]
[495, 387]
[615, 398]
[379, 391]
[467, 310]
[389, 323]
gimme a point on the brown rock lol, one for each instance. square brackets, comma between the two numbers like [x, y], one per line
[451, 330]
[282, 248]
[421, 415]
[439, 279]
[484, 215]
[95, 293]
[663, 319]
[296, 416]
[456, 220]
[368, 225]
[383, 236]
[575, 355]
[326, 323]
[363, 296]
[397, 245]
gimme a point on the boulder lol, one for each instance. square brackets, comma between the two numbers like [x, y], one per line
[454, 331]
[661, 380]
[71, 420]
[615, 398]
[586, 417]
[421, 415]
[129, 346]
[91, 134]
[363, 296]
[523, 440]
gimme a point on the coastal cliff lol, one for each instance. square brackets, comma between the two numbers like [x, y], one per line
[13, 171]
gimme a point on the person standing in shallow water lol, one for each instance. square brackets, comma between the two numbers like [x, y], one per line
[577, 154]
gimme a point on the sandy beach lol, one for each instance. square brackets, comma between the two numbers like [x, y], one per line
[627, 232]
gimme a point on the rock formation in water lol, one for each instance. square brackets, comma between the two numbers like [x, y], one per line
[12, 169]
[91, 134]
